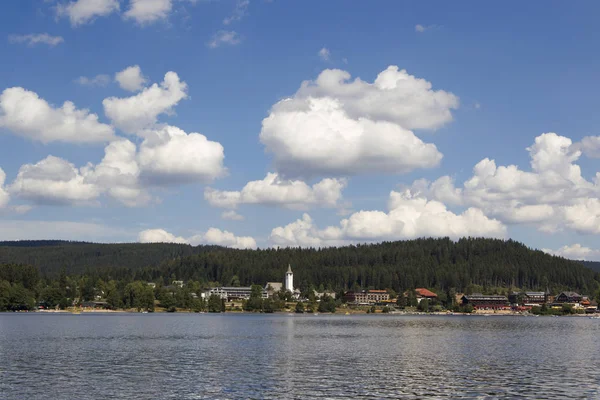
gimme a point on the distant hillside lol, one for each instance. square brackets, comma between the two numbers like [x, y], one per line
[38, 243]
[78, 257]
[594, 265]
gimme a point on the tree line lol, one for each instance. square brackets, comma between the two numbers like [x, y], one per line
[121, 278]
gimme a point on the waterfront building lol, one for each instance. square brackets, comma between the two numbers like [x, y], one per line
[367, 297]
[233, 293]
[423, 293]
[481, 301]
[528, 299]
[568, 297]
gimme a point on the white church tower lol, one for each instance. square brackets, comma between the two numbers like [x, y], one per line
[289, 279]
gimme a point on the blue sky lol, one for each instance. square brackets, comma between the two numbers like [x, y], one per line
[500, 76]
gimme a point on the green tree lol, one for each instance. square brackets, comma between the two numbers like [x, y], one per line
[215, 305]
[423, 305]
[299, 308]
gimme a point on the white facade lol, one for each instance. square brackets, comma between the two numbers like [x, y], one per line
[289, 279]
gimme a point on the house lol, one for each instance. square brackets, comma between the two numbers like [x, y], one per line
[178, 283]
[152, 285]
[319, 295]
[423, 293]
[488, 302]
[568, 297]
[367, 297]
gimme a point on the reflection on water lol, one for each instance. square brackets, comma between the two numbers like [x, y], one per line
[191, 356]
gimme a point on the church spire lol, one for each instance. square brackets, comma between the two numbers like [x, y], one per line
[289, 271]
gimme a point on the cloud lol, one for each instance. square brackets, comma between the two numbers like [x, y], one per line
[84, 11]
[53, 181]
[590, 145]
[98, 80]
[575, 252]
[224, 238]
[212, 236]
[132, 114]
[4, 196]
[342, 127]
[148, 11]
[239, 12]
[274, 191]
[224, 38]
[159, 236]
[323, 140]
[231, 215]
[118, 174]
[325, 54]
[25, 114]
[131, 79]
[33, 39]
[170, 156]
[60, 230]
[422, 28]
[409, 216]
[552, 196]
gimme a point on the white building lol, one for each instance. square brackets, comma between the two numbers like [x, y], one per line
[289, 279]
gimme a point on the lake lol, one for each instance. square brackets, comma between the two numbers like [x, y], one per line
[207, 356]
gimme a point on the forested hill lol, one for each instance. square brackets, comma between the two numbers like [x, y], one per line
[432, 263]
[78, 257]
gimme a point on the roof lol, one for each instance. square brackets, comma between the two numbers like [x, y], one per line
[570, 294]
[289, 271]
[276, 286]
[482, 297]
[377, 291]
[535, 293]
[425, 293]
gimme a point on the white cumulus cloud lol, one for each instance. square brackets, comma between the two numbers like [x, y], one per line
[36, 38]
[211, 236]
[591, 146]
[575, 252]
[170, 156]
[409, 216]
[323, 140]
[118, 173]
[552, 196]
[131, 114]
[274, 191]
[4, 196]
[337, 126]
[24, 113]
[53, 181]
[81, 12]
[131, 79]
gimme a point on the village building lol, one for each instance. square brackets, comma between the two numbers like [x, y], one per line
[367, 297]
[423, 293]
[233, 293]
[568, 298]
[528, 299]
[486, 302]
[320, 295]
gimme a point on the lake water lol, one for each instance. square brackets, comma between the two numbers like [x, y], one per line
[204, 356]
